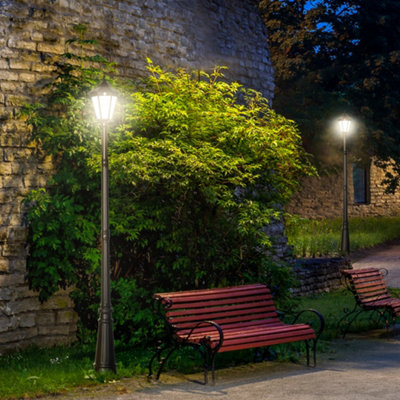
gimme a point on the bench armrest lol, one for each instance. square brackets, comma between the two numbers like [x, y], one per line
[319, 315]
[215, 325]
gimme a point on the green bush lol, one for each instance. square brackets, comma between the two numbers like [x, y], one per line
[195, 174]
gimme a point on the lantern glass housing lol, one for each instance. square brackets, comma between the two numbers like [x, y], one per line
[104, 99]
[344, 124]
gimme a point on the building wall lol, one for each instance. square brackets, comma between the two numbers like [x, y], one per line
[322, 197]
[196, 34]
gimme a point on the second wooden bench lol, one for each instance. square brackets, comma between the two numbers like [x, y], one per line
[371, 294]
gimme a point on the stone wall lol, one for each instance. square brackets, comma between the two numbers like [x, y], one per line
[322, 197]
[33, 36]
[319, 275]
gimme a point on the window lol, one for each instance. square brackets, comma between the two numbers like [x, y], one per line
[360, 184]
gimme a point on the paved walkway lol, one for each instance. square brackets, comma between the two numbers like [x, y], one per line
[362, 370]
[385, 256]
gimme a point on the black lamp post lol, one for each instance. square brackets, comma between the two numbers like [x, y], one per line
[104, 99]
[344, 127]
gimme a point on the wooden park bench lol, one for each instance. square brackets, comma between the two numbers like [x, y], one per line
[219, 320]
[371, 294]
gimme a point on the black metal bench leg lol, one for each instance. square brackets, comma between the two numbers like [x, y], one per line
[348, 324]
[204, 353]
[314, 349]
[308, 353]
[213, 366]
[208, 363]
[157, 355]
[315, 352]
[164, 361]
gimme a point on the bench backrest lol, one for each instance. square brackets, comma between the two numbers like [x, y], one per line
[229, 307]
[367, 284]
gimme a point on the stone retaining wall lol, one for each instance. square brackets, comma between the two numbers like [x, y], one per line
[24, 321]
[196, 34]
[319, 275]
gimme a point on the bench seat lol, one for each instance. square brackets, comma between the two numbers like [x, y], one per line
[245, 337]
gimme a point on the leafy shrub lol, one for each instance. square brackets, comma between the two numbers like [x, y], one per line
[194, 176]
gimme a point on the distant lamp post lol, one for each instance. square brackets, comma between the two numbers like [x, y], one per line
[104, 99]
[344, 127]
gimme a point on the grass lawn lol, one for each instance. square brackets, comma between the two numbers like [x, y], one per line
[314, 238]
[36, 372]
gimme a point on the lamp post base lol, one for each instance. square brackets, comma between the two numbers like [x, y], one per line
[345, 244]
[105, 353]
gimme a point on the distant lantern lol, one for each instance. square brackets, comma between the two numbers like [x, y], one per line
[344, 124]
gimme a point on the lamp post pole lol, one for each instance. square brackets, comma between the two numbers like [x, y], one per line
[345, 244]
[104, 100]
[344, 124]
[105, 353]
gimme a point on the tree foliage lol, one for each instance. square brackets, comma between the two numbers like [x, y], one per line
[334, 56]
[195, 174]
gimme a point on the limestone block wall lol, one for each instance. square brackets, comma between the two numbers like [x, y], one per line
[24, 320]
[319, 275]
[322, 197]
[33, 37]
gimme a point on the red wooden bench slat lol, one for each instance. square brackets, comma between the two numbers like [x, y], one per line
[221, 321]
[369, 281]
[226, 308]
[376, 283]
[253, 335]
[371, 291]
[362, 272]
[214, 296]
[211, 291]
[253, 314]
[260, 330]
[233, 329]
[360, 283]
[267, 335]
[237, 325]
[366, 293]
[211, 303]
[262, 343]
[392, 303]
[359, 274]
[370, 299]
